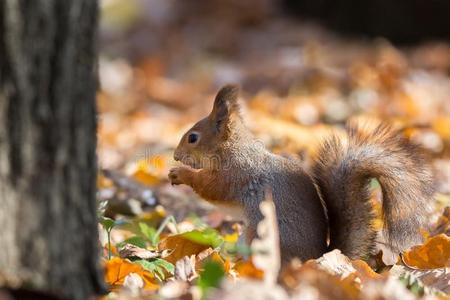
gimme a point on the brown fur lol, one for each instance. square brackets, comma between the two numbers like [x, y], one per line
[343, 172]
[228, 165]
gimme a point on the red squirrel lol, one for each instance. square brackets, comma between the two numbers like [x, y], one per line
[225, 164]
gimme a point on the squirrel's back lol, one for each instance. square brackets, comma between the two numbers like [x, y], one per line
[301, 215]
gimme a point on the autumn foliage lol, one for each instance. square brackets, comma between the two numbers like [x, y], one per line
[164, 241]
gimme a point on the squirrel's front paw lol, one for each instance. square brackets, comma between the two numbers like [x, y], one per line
[180, 175]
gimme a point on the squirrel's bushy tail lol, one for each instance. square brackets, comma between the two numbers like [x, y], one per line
[343, 172]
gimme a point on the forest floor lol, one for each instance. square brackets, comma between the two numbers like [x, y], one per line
[159, 74]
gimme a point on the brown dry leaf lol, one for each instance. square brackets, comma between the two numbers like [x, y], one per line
[181, 247]
[117, 269]
[211, 254]
[390, 289]
[434, 278]
[188, 267]
[310, 281]
[185, 269]
[132, 251]
[336, 263]
[443, 223]
[356, 271]
[435, 253]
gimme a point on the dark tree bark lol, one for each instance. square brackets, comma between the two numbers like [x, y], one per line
[48, 226]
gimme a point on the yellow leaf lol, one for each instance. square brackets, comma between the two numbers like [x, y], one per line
[442, 127]
[145, 178]
[148, 171]
[232, 237]
[435, 253]
[117, 269]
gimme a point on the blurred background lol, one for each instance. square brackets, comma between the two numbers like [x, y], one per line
[304, 67]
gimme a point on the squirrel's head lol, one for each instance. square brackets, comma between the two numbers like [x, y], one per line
[202, 146]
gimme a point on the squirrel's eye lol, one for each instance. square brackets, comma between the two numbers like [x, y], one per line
[192, 138]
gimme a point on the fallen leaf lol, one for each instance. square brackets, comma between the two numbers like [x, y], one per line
[182, 246]
[249, 270]
[117, 269]
[336, 263]
[185, 269]
[311, 280]
[433, 278]
[435, 253]
[443, 223]
[209, 255]
[132, 251]
[364, 271]
[390, 289]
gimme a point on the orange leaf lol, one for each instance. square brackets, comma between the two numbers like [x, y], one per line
[213, 255]
[145, 177]
[442, 127]
[248, 269]
[364, 271]
[181, 247]
[435, 253]
[116, 269]
[103, 182]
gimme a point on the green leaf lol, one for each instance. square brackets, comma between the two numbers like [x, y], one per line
[157, 266]
[211, 276]
[149, 233]
[209, 237]
[134, 240]
[107, 223]
[413, 284]
[165, 265]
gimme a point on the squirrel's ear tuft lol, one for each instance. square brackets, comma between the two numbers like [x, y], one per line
[225, 104]
[229, 92]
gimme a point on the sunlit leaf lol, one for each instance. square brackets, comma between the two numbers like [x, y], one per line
[117, 269]
[149, 232]
[435, 253]
[248, 269]
[134, 240]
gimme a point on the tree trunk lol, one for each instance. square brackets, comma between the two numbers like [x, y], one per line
[48, 226]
